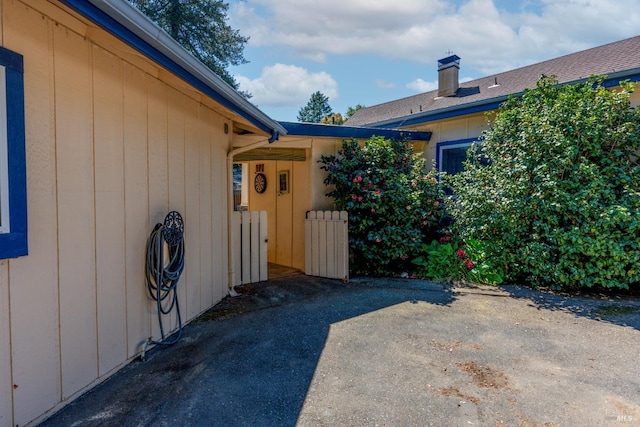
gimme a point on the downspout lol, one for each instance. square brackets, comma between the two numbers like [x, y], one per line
[230, 155]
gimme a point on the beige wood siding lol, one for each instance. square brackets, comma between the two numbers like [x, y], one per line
[450, 130]
[113, 144]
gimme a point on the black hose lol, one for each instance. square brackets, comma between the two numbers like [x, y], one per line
[162, 280]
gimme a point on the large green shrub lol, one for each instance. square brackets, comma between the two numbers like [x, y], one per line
[447, 259]
[558, 203]
[393, 205]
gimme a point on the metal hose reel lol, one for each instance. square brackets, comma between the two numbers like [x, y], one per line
[173, 228]
[163, 270]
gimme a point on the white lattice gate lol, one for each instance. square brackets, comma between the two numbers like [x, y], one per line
[249, 237]
[327, 244]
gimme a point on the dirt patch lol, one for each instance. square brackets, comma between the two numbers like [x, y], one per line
[452, 391]
[484, 376]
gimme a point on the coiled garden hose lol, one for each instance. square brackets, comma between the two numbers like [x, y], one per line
[162, 279]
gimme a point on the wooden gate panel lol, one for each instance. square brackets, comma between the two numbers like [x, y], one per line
[327, 244]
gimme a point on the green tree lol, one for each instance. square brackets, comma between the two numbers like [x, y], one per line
[332, 119]
[553, 191]
[317, 107]
[200, 26]
[352, 110]
[393, 205]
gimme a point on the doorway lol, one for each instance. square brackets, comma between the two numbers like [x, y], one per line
[283, 191]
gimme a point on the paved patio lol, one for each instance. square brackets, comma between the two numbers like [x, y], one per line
[305, 351]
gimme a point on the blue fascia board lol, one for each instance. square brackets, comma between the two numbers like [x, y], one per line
[335, 131]
[444, 113]
[118, 30]
[614, 79]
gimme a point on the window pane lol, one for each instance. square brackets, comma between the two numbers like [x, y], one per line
[452, 158]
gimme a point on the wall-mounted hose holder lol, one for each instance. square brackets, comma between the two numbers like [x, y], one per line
[164, 265]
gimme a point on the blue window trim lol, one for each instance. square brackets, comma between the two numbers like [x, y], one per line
[15, 243]
[457, 142]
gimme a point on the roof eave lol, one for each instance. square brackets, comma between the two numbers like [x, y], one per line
[442, 113]
[358, 132]
[127, 23]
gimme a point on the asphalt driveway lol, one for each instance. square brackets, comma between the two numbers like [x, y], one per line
[313, 352]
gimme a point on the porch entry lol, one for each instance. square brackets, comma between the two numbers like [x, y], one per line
[283, 192]
[326, 246]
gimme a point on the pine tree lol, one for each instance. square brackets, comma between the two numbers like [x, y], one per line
[200, 26]
[352, 110]
[316, 109]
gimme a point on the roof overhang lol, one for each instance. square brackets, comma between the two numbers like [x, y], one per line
[128, 24]
[336, 131]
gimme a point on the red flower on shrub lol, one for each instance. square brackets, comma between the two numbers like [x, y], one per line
[469, 264]
[461, 254]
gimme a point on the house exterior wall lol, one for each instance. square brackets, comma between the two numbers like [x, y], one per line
[635, 98]
[453, 129]
[322, 147]
[114, 143]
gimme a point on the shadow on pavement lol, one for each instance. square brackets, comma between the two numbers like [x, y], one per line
[248, 361]
[619, 310]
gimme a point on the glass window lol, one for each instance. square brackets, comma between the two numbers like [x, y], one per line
[451, 154]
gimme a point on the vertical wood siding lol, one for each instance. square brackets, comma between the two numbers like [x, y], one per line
[34, 279]
[76, 210]
[111, 149]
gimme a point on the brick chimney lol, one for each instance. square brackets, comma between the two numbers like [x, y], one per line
[448, 75]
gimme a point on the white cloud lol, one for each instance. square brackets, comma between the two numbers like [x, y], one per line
[420, 86]
[383, 84]
[287, 86]
[487, 36]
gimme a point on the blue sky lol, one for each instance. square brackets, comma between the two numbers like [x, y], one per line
[373, 51]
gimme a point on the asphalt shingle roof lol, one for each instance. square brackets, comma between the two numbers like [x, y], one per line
[608, 59]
